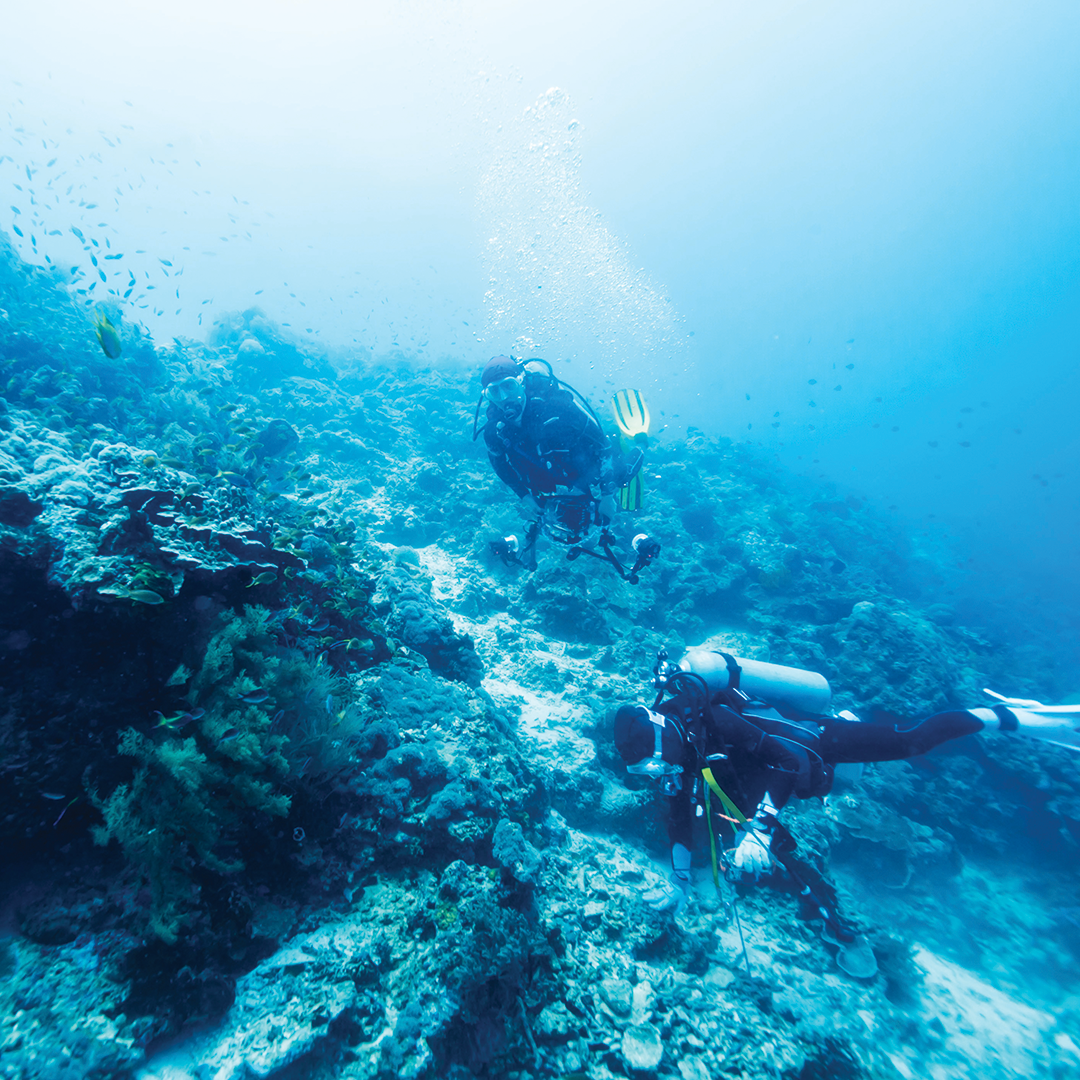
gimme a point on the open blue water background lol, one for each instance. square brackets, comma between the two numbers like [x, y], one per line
[717, 202]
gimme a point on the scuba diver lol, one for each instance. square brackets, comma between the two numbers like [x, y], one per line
[546, 444]
[752, 735]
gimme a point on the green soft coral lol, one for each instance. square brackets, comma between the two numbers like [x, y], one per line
[169, 815]
[191, 795]
[195, 794]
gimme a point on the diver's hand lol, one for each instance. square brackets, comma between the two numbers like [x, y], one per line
[670, 895]
[752, 853]
[529, 508]
[673, 894]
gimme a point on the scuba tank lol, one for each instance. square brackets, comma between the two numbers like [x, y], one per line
[774, 684]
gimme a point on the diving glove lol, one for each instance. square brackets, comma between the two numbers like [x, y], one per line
[752, 855]
[673, 894]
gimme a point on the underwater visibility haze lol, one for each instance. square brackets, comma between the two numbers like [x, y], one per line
[342, 722]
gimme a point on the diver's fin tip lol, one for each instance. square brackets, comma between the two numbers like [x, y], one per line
[631, 412]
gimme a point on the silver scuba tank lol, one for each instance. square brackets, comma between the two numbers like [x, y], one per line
[771, 683]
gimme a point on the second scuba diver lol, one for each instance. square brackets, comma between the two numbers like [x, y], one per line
[546, 444]
[733, 740]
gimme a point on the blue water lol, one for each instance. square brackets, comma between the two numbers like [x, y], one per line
[719, 203]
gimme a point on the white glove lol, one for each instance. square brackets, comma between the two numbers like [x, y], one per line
[529, 508]
[672, 894]
[607, 507]
[752, 853]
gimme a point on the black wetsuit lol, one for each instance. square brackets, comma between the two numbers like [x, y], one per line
[786, 754]
[555, 443]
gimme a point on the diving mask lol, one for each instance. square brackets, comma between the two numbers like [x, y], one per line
[655, 766]
[508, 394]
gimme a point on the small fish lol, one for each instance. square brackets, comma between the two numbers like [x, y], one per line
[229, 734]
[65, 810]
[234, 478]
[254, 697]
[173, 723]
[145, 596]
[276, 717]
[330, 704]
[108, 336]
[265, 578]
[319, 625]
[52, 795]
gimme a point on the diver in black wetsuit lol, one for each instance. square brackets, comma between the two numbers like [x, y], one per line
[541, 438]
[753, 735]
[546, 444]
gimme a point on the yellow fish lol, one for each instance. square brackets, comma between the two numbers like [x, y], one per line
[108, 336]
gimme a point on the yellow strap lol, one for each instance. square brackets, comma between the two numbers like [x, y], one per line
[732, 809]
[719, 792]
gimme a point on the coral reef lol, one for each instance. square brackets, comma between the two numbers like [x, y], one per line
[303, 781]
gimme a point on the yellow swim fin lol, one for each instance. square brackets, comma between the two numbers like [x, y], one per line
[631, 414]
[632, 493]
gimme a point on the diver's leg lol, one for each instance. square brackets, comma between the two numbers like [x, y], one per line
[843, 740]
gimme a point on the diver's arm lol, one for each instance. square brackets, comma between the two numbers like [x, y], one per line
[673, 894]
[681, 818]
[507, 473]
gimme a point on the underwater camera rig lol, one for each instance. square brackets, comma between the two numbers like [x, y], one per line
[645, 548]
[515, 553]
[568, 520]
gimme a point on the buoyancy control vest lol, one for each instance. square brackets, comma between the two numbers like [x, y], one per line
[780, 707]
